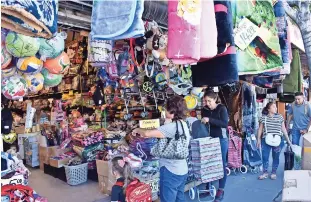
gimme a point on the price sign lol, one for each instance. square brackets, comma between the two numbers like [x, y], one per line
[245, 33]
[149, 123]
[154, 185]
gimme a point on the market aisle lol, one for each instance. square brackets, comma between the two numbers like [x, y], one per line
[240, 188]
[56, 190]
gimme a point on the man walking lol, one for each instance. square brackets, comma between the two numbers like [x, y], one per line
[300, 113]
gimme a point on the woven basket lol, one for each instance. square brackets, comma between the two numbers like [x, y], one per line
[76, 174]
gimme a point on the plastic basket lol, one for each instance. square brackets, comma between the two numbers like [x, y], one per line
[76, 174]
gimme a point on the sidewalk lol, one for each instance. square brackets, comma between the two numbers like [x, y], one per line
[247, 188]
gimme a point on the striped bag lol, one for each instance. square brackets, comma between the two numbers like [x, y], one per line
[235, 150]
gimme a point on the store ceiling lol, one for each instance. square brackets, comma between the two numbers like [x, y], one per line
[76, 14]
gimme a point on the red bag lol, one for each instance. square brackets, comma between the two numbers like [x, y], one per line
[235, 150]
[138, 191]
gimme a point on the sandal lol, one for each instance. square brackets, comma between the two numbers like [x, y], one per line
[273, 176]
[263, 176]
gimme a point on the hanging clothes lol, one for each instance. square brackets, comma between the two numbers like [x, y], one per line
[221, 69]
[249, 109]
[293, 82]
[115, 20]
[263, 53]
[282, 28]
[32, 18]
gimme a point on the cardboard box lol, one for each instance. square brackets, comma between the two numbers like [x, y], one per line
[106, 179]
[306, 152]
[297, 186]
[59, 163]
[57, 151]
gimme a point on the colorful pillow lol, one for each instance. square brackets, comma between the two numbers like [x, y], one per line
[5, 73]
[58, 64]
[52, 48]
[29, 65]
[50, 79]
[14, 87]
[34, 82]
[20, 45]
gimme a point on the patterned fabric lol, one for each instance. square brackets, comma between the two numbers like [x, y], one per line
[281, 25]
[113, 20]
[211, 72]
[41, 16]
[206, 159]
[264, 51]
[235, 150]
[249, 108]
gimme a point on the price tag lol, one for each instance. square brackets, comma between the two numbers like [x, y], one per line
[245, 33]
[149, 123]
[154, 185]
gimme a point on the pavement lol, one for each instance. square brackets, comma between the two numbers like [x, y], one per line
[239, 188]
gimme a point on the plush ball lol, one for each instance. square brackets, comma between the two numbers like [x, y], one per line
[58, 64]
[50, 79]
[29, 65]
[52, 48]
[34, 82]
[21, 46]
[14, 87]
[5, 73]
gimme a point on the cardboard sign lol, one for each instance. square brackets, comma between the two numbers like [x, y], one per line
[149, 123]
[245, 33]
[15, 180]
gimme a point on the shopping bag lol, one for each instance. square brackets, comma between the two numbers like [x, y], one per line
[297, 151]
[289, 158]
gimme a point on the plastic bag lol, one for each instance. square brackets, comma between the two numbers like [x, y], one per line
[297, 150]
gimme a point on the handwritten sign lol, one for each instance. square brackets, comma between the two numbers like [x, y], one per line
[15, 180]
[149, 123]
[245, 33]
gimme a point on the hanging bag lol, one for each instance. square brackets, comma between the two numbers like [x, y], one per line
[289, 158]
[273, 140]
[172, 148]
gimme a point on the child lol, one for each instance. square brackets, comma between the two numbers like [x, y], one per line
[122, 171]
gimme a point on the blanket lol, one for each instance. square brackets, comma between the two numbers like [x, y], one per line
[114, 20]
[293, 82]
[264, 52]
[31, 18]
[210, 72]
[281, 25]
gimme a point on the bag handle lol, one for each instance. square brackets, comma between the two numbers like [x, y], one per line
[177, 132]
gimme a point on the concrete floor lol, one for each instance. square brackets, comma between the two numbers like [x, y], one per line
[239, 188]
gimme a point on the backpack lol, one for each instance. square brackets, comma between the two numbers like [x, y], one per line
[138, 191]
[6, 120]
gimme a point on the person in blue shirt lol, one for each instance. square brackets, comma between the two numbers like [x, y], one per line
[300, 114]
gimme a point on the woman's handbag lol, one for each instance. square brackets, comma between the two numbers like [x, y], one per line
[289, 158]
[272, 139]
[172, 148]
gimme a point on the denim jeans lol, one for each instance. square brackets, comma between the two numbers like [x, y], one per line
[296, 136]
[172, 187]
[276, 151]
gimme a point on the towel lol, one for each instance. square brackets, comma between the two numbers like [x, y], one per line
[31, 18]
[115, 20]
[264, 52]
[221, 69]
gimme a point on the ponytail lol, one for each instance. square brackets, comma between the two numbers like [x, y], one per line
[120, 165]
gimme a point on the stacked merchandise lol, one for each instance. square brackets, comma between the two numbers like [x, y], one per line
[207, 159]
[31, 148]
[149, 173]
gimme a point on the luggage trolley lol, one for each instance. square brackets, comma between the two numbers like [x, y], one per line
[194, 181]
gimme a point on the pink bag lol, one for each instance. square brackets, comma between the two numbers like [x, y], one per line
[183, 34]
[208, 30]
[235, 150]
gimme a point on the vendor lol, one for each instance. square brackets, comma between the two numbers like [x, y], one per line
[216, 116]
[173, 172]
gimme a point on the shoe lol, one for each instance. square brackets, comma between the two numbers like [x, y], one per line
[273, 176]
[219, 195]
[263, 176]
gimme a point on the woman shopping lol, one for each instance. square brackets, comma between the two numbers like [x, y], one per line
[216, 115]
[270, 137]
[174, 168]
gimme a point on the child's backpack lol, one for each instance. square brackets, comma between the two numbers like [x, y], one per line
[138, 191]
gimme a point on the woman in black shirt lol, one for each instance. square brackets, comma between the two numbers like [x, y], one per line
[216, 115]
